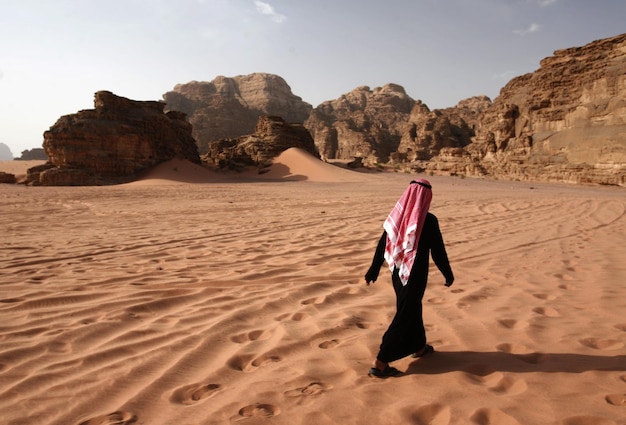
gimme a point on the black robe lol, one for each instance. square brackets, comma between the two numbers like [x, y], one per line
[406, 334]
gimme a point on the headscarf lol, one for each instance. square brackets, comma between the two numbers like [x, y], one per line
[404, 226]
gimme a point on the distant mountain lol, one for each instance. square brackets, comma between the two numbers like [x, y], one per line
[5, 153]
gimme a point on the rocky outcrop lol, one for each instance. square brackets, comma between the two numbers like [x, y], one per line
[362, 123]
[227, 108]
[272, 136]
[35, 154]
[428, 132]
[113, 142]
[7, 178]
[564, 122]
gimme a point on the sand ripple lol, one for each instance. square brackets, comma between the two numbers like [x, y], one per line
[244, 301]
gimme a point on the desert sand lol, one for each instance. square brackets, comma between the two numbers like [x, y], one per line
[196, 298]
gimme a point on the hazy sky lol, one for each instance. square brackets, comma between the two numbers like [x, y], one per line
[55, 54]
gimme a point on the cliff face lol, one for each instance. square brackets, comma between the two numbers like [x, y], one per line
[111, 143]
[362, 123]
[564, 122]
[230, 107]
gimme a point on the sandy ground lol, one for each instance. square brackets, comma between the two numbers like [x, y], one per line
[195, 298]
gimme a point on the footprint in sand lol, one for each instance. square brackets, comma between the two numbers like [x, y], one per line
[495, 381]
[492, 416]
[621, 327]
[314, 300]
[512, 348]
[433, 414]
[313, 389]
[616, 399]
[542, 296]
[256, 335]
[510, 386]
[468, 300]
[194, 393]
[546, 311]
[259, 410]
[265, 359]
[296, 317]
[602, 344]
[299, 317]
[326, 345]
[436, 300]
[511, 323]
[249, 363]
[561, 276]
[115, 418]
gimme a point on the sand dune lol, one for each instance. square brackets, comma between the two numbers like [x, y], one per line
[297, 164]
[219, 302]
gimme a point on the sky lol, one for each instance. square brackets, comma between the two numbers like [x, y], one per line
[54, 55]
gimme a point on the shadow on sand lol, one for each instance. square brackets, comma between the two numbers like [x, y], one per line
[484, 363]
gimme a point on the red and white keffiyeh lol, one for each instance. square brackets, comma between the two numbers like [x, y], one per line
[404, 226]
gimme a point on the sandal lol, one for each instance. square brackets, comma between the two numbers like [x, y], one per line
[428, 349]
[388, 371]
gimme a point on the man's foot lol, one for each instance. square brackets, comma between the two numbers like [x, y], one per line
[388, 371]
[428, 349]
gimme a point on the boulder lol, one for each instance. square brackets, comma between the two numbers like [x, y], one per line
[7, 178]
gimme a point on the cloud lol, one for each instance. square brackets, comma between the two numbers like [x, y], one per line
[505, 76]
[531, 28]
[544, 3]
[267, 9]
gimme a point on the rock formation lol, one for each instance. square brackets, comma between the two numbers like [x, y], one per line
[362, 123]
[564, 122]
[35, 154]
[113, 142]
[230, 107]
[7, 178]
[271, 137]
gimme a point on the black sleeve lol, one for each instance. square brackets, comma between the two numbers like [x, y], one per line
[378, 260]
[439, 254]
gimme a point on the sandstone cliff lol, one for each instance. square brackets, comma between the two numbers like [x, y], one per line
[564, 122]
[113, 142]
[230, 107]
[272, 136]
[362, 123]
